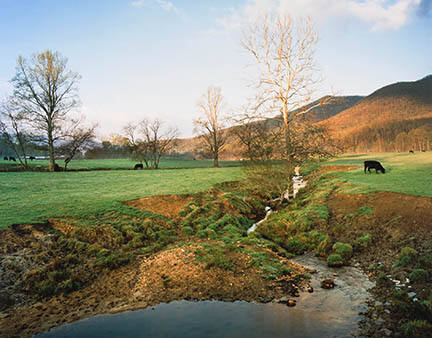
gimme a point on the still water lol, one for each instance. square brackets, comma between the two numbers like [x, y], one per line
[323, 313]
[207, 319]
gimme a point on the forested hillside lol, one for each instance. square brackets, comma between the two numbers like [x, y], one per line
[397, 117]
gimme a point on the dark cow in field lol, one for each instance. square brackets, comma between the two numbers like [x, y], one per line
[423, 151]
[411, 151]
[57, 168]
[138, 166]
[5, 158]
[32, 158]
[11, 158]
[373, 165]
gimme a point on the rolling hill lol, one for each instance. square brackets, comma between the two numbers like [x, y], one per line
[397, 117]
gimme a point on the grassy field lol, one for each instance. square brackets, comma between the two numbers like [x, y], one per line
[127, 164]
[405, 173]
[34, 196]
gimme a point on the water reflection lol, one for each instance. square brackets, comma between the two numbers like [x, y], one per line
[208, 319]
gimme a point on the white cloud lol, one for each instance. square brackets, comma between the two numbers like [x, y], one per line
[381, 15]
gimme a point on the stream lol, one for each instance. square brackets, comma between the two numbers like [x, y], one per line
[323, 313]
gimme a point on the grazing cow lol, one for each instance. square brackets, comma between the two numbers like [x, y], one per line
[5, 158]
[411, 151]
[32, 158]
[11, 158]
[373, 165]
[57, 168]
[138, 166]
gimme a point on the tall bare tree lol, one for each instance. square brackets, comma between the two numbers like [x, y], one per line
[148, 140]
[283, 50]
[210, 125]
[45, 92]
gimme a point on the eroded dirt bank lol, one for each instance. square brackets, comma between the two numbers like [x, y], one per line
[169, 275]
[199, 250]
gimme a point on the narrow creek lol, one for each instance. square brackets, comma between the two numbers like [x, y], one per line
[322, 313]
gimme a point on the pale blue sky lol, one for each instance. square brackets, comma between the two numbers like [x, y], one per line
[154, 58]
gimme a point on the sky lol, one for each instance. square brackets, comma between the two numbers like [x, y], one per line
[155, 58]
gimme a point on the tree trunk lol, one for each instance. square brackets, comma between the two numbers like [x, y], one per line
[51, 151]
[216, 159]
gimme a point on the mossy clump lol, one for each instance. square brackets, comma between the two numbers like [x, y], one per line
[214, 257]
[334, 260]
[344, 250]
[188, 230]
[417, 328]
[407, 251]
[419, 275]
[364, 241]
[365, 210]
[407, 257]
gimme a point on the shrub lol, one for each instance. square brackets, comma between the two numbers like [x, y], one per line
[188, 230]
[293, 246]
[403, 261]
[364, 241]
[323, 247]
[417, 328]
[343, 249]
[419, 275]
[366, 210]
[407, 251]
[426, 261]
[334, 260]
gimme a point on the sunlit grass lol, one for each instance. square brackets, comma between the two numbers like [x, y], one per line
[35, 196]
[125, 163]
[405, 173]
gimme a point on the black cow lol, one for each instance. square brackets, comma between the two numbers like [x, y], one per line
[411, 151]
[373, 165]
[5, 158]
[32, 158]
[11, 158]
[423, 151]
[57, 168]
[138, 166]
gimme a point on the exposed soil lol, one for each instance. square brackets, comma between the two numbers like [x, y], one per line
[168, 205]
[396, 220]
[167, 276]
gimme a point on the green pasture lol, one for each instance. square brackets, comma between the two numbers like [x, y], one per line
[165, 163]
[405, 173]
[35, 196]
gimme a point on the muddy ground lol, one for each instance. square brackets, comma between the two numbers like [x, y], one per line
[172, 274]
[396, 220]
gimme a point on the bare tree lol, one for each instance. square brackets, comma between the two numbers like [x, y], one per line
[78, 139]
[149, 140]
[210, 125]
[45, 92]
[259, 138]
[14, 132]
[283, 50]
[138, 148]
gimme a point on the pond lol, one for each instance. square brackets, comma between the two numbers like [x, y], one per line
[323, 313]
